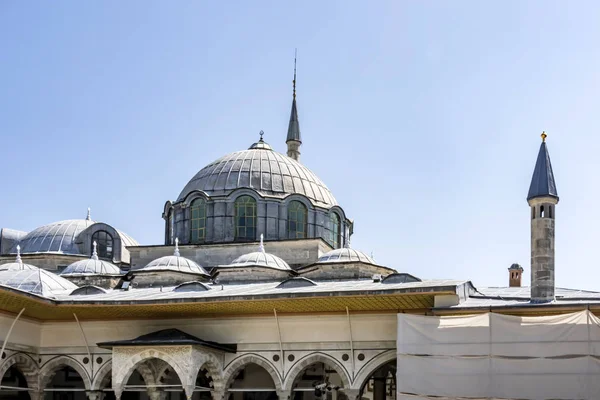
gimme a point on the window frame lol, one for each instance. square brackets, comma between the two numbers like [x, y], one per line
[249, 228]
[335, 231]
[103, 253]
[293, 209]
[198, 205]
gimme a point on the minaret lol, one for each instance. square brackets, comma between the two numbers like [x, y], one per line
[294, 141]
[542, 199]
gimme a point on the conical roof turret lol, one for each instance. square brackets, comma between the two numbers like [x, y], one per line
[542, 181]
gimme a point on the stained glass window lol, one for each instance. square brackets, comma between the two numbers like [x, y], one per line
[198, 221]
[245, 218]
[297, 216]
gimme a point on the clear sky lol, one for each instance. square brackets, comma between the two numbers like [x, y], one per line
[422, 117]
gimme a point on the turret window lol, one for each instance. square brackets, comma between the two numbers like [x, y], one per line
[542, 212]
[334, 233]
[245, 218]
[104, 243]
[198, 221]
[297, 216]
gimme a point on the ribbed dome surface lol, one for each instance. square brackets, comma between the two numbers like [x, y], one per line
[174, 263]
[345, 255]
[56, 237]
[261, 259]
[36, 281]
[91, 267]
[16, 266]
[264, 170]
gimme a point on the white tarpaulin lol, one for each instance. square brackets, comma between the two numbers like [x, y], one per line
[493, 356]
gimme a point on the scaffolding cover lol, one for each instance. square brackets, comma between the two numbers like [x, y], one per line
[494, 356]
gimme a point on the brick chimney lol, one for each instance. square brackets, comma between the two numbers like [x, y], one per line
[515, 272]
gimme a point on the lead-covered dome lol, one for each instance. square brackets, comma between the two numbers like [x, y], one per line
[92, 266]
[36, 281]
[345, 255]
[57, 237]
[262, 169]
[259, 259]
[174, 263]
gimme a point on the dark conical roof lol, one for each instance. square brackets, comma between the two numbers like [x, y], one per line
[294, 127]
[542, 182]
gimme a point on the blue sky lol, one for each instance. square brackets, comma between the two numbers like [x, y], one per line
[423, 118]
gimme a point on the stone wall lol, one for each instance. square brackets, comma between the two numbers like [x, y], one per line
[296, 253]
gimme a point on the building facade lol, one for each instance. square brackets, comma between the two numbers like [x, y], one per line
[255, 294]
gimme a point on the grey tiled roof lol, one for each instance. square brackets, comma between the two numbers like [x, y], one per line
[266, 171]
[542, 181]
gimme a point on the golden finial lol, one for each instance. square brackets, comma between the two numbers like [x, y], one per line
[544, 136]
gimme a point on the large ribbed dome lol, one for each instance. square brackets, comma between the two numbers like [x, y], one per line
[262, 169]
[57, 237]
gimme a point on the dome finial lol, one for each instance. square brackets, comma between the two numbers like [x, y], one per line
[94, 251]
[89, 217]
[176, 252]
[261, 247]
[294, 81]
[544, 136]
[19, 255]
[261, 133]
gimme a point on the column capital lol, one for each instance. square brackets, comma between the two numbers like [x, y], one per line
[284, 394]
[94, 395]
[352, 394]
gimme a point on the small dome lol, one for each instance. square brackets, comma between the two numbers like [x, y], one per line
[17, 265]
[259, 258]
[174, 263]
[92, 266]
[36, 281]
[345, 255]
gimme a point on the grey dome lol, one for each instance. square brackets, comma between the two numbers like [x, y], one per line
[91, 266]
[345, 255]
[262, 169]
[36, 281]
[16, 266]
[260, 259]
[57, 237]
[174, 263]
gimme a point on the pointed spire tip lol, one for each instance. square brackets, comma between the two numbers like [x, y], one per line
[544, 136]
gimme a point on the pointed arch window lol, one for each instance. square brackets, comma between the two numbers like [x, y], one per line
[297, 220]
[198, 221]
[245, 218]
[104, 243]
[334, 232]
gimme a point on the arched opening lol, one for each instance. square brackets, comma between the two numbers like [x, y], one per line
[198, 221]
[297, 220]
[381, 384]
[170, 227]
[252, 382]
[335, 231]
[542, 212]
[104, 242]
[14, 385]
[66, 384]
[135, 389]
[245, 218]
[318, 381]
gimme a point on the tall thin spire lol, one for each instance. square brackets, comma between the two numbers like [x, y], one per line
[294, 139]
[542, 181]
[89, 216]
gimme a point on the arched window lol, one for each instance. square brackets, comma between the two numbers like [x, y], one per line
[170, 227]
[104, 242]
[198, 221]
[245, 218]
[334, 233]
[297, 216]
